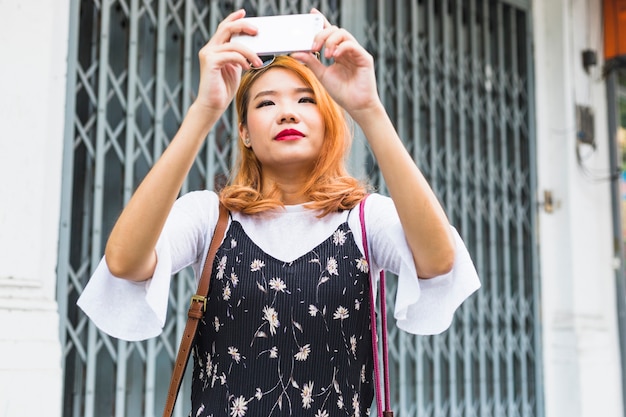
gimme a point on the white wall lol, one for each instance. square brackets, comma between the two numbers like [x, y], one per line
[33, 51]
[582, 368]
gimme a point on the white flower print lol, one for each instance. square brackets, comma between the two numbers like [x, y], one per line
[209, 366]
[234, 353]
[355, 405]
[357, 305]
[303, 354]
[362, 265]
[216, 323]
[258, 395]
[260, 333]
[223, 379]
[215, 377]
[277, 285]
[200, 410]
[341, 313]
[239, 407]
[297, 326]
[233, 243]
[363, 373]
[271, 316]
[221, 266]
[331, 266]
[234, 279]
[226, 293]
[313, 310]
[321, 413]
[353, 344]
[339, 237]
[340, 402]
[274, 352]
[307, 395]
[256, 265]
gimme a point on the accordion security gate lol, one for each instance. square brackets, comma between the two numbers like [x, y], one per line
[456, 79]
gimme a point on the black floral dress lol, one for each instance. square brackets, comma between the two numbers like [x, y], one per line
[285, 338]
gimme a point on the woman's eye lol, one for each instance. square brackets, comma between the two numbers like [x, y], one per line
[307, 100]
[264, 103]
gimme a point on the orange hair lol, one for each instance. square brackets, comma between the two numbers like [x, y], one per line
[329, 189]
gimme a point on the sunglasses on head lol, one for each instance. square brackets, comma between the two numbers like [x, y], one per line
[269, 59]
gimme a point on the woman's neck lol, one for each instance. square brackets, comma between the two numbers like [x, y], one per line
[289, 188]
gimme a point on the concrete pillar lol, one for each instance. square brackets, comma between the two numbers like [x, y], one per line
[33, 50]
[580, 339]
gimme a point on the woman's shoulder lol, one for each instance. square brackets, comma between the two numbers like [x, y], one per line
[195, 208]
[204, 202]
[198, 196]
[379, 212]
[380, 215]
[378, 204]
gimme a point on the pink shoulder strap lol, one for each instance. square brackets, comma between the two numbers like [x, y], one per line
[383, 318]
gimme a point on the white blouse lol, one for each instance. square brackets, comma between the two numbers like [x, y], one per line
[137, 310]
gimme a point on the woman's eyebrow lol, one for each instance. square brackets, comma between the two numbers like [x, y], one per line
[274, 92]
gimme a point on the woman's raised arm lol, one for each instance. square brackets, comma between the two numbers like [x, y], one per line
[351, 81]
[130, 250]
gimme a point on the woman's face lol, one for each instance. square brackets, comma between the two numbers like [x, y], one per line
[284, 127]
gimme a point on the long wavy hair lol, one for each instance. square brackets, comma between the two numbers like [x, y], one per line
[329, 188]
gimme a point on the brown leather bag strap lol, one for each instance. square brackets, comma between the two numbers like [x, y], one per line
[196, 310]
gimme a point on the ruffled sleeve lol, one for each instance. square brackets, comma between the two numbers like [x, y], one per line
[133, 311]
[422, 306]
[427, 306]
[126, 309]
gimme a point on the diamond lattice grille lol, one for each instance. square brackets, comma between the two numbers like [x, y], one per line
[454, 76]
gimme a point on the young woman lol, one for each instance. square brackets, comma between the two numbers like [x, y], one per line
[286, 330]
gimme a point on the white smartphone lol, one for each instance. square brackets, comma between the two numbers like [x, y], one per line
[282, 34]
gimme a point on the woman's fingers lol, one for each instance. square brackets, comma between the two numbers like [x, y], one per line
[220, 43]
[230, 52]
[330, 38]
[220, 57]
[233, 24]
[310, 61]
[337, 39]
[326, 22]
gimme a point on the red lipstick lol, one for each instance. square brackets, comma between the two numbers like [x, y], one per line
[289, 134]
